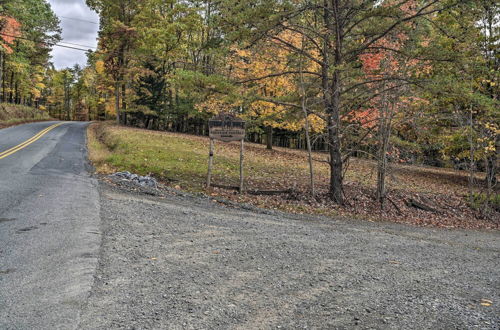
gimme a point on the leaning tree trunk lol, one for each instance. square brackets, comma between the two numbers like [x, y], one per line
[308, 142]
[307, 129]
[309, 149]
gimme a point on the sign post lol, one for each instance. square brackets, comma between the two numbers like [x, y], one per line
[241, 165]
[226, 127]
[210, 162]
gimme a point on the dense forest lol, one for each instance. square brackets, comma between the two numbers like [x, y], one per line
[409, 81]
[28, 30]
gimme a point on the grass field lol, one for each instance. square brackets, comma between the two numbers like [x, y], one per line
[181, 161]
[12, 114]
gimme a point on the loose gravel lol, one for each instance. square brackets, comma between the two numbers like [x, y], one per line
[185, 262]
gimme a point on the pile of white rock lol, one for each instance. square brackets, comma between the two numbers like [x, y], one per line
[144, 181]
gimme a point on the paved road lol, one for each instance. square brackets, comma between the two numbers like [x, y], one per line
[49, 226]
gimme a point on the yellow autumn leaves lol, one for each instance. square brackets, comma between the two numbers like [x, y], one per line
[262, 76]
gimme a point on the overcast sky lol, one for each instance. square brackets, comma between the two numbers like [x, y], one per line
[75, 19]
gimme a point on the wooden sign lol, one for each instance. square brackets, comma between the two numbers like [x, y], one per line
[226, 127]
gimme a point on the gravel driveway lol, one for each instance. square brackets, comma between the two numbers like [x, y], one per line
[180, 262]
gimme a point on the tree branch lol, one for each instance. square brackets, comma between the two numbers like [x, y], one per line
[273, 75]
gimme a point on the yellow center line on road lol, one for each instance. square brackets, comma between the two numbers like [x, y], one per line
[26, 143]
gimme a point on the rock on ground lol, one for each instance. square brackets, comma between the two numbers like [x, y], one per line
[144, 181]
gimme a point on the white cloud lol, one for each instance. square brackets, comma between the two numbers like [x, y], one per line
[74, 15]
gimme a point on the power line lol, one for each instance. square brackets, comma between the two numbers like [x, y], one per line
[49, 44]
[78, 19]
[70, 47]
[69, 43]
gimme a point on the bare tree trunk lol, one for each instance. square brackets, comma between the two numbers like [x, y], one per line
[471, 157]
[269, 137]
[309, 152]
[384, 133]
[333, 111]
[331, 97]
[491, 164]
[242, 159]
[66, 108]
[11, 85]
[307, 129]
[491, 180]
[124, 103]
[16, 92]
[4, 85]
[1, 73]
[117, 101]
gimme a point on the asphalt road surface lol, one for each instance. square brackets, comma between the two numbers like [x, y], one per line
[49, 226]
[78, 253]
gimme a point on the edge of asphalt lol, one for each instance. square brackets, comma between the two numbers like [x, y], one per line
[97, 233]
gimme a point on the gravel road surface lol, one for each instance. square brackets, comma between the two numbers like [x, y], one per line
[180, 262]
[49, 227]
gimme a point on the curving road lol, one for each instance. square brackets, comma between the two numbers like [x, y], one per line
[49, 225]
[169, 260]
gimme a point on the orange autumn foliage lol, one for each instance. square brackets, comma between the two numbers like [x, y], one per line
[10, 29]
[381, 64]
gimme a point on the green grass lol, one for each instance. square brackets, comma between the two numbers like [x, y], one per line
[172, 157]
[181, 161]
[479, 200]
